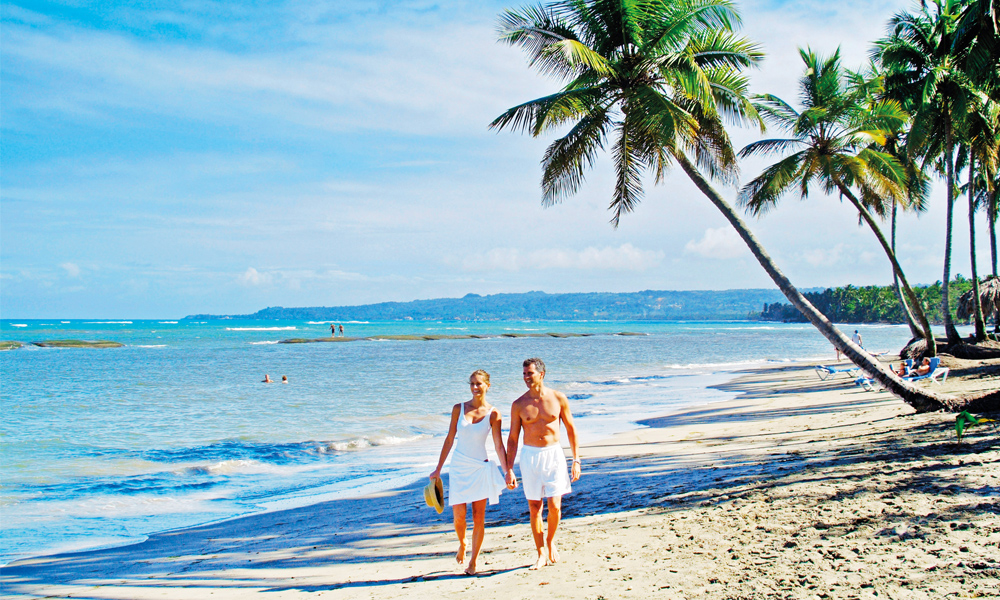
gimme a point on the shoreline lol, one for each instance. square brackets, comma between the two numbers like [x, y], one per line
[727, 371]
[701, 465]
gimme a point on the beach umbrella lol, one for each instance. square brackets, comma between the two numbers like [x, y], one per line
[989, 298]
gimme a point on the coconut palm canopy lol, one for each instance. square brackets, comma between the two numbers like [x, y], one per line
[649, 80]
[652, 82]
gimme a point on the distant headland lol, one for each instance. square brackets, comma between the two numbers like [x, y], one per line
[647, 305]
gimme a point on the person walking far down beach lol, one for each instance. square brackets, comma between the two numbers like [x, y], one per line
[473, 477]
[856, 338]
[538, 413]
[333, 330]
[341, 326]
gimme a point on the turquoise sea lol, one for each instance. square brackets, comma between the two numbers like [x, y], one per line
[104, 446]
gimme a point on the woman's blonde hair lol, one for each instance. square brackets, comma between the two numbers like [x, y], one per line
[481, 373]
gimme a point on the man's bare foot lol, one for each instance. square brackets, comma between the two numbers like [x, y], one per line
[538, 563]
[460, 555]
[553, 555]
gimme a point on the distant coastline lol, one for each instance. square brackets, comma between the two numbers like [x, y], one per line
[638, 306]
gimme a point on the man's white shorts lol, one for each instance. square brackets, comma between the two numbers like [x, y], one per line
[543, 472]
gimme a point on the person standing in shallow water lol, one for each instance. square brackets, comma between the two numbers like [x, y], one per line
[538, 413]
[473, 478]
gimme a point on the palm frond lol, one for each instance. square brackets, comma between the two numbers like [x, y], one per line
[628, 174]
[567, 159]
[776, 111]
[576, 57]
[672, 24]
[763, 192]
[535, 29]
[721, 48]
[540, 114]
[771, 146]
[729, 88]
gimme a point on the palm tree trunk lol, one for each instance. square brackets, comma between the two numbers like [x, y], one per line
[897, 270]
[921, 400]
[949, 159]
[991, 212]
[977, 312]
[914, 330]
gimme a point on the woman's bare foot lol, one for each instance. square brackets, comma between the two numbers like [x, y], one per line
[471, 569]
[553, 554]
[460, 555]
[541, 562]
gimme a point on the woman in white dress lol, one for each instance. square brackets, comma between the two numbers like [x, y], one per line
[473, 477]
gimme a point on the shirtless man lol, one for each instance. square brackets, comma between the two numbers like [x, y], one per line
[543, 464]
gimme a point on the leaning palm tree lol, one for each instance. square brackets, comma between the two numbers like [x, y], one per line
[925, 73]
[831, 141]
[653, 82]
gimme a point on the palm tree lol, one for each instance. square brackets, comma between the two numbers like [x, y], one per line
[992, 206]
[977, 39]
[869, 83]
[833, 138]
[982, 138]
[652, 81]
[925, 73]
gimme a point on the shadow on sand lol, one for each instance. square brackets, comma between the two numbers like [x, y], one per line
[261, 551]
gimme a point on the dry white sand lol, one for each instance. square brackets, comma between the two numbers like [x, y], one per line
[798, 488]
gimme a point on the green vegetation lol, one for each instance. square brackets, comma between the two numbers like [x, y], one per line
[868, 304]
[9, 345]
[656, 83]
[539, 306]
[78, 344]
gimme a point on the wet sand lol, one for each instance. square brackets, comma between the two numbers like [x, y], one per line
[797, 488]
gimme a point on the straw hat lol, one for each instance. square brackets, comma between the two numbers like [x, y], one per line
[434, 494]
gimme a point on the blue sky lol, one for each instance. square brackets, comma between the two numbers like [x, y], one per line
[167, 158]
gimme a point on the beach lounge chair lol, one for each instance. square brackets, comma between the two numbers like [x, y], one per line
[909, 367]
[936, 372]
[824, 372]
[869, 384]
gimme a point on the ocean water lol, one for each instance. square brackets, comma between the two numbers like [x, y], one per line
[105, 446]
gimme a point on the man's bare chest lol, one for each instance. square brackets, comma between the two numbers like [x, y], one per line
[541, 412]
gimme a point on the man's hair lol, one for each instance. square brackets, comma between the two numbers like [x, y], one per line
[539, 365]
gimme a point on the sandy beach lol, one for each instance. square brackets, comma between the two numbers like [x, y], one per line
[797, 488]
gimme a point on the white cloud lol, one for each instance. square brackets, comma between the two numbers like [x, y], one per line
[415, 78]
[253, 277]
[719, 243]
[72, 270]
[824, 257]
[623, 258]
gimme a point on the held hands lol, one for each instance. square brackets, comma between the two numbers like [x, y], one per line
[511, 479]
[575, 471]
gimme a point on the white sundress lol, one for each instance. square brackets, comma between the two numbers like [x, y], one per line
[473, 476]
